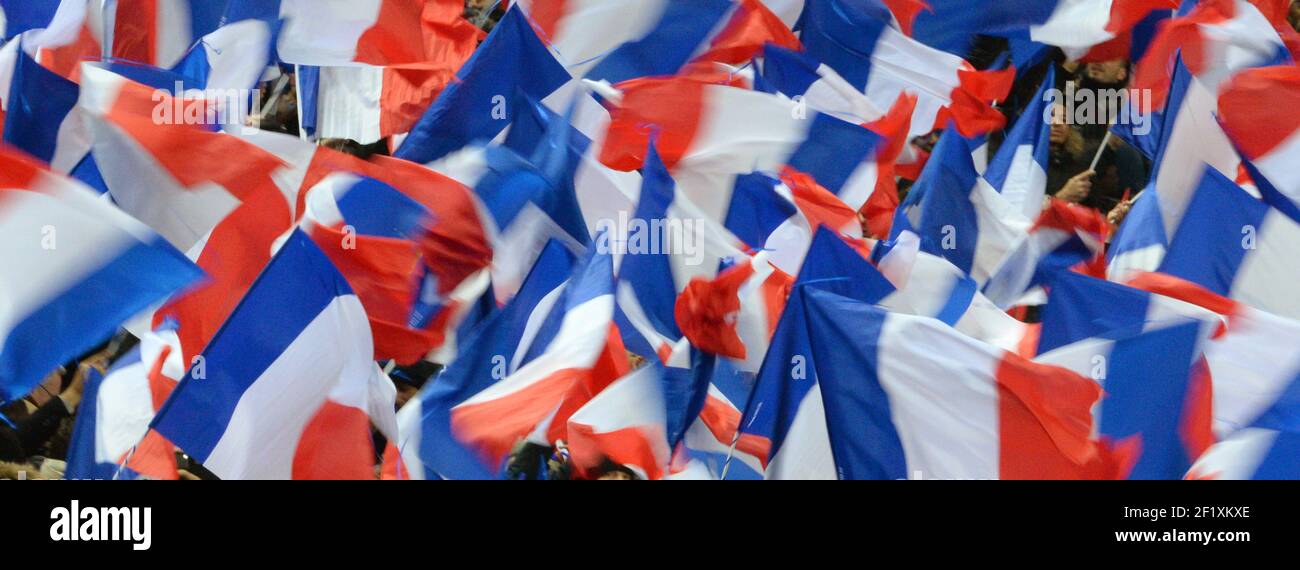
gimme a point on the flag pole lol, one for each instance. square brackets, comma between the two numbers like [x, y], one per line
[1105, 141]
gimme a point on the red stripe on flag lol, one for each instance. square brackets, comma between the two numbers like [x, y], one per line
[135, 31]
[706, 311]
[1260, 108]
[1045, 422]
[669, 109]
[750, 27]
[492, 427]
[627, 446]
[335, 444]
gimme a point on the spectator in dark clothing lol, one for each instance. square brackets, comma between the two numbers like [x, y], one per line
[27, 437]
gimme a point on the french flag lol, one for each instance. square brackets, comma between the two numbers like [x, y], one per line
[1154, 408]
[531, 398]
[1267, 452]
[1243, 353]
[626, 423]
[879, 60]
[108, 439]
[930, 286]
[618, 40]
[1214, 40]
[922, 402]
[658, 265]
[735, 314]
[19, 16]
[455, 247]
[958, 215]
[369, 32]
[501, 344]
[1065, 235]
[478, 105]
[1238, 247]
[39, 105]
[1019, 169]
[78, 268]
[371, 232]
[1078, 26]
[230, 412]
[1255, 109]
[160, 32]
[368, 103]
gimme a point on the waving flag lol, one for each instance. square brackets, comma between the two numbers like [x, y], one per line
[107, 441]
[659, 264]
[37, 109]
[160, 32]
[1267, 141]
[371, 232]
[931, 286]
[995, 416]
[1065, 235]
[476, 107]
[880, 61]
[428, 443]
[1250, 357]
[78, 269]
[1237, 247]
[370, 32]
[626, 424]
[1213, 40]
[1258, 453]
[959, 216]
[1019, 170]
[492, 420]
[318, 341]
[1154, 407]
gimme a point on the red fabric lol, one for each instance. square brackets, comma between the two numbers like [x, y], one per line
[668, 108]
[419, 32]
[1186, 291]
[456, 245]
[894, 127]
[628, 446]
[449, 40]
[393, 468]
[545, 17]
[972, 109]
[493, 427]
[706, 311]
[1260, 108]
[878, 212]
[1179, 35]
[723, 422]
[384, 274]
[1045, 422]
[135, 31]
[1124, 14]
[906, 11]
[336, 444]
[751, 27]
[18, 170]
[1197, 425]
[66, 60]
[611, 365]
[154, 457]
